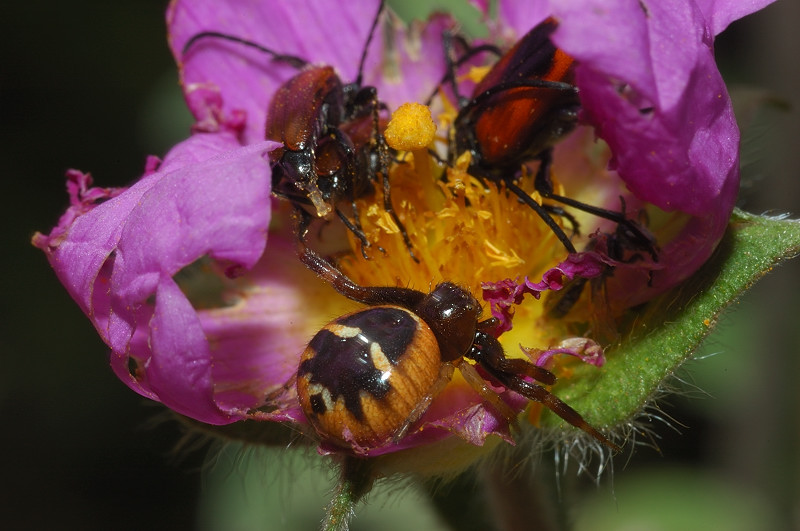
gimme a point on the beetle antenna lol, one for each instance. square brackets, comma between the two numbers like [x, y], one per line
[293, 60]
[371, 34]
[450, 39]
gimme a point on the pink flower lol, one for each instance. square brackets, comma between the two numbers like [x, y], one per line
[648, 86]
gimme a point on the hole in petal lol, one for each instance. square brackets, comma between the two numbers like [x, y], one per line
[204, 284]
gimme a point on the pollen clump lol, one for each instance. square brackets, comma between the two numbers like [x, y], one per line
[411, 128]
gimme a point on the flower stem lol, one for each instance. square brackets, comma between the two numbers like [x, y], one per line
[355, 481]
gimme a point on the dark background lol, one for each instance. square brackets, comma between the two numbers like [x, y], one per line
[91, 85]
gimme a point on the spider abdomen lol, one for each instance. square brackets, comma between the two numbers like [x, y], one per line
[363, 375]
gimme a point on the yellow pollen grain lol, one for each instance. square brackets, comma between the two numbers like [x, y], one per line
[477, 73]
[411, 128]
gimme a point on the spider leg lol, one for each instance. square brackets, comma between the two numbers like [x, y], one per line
[488, 352]
[480, 386]
[371, 296]
[554, 404]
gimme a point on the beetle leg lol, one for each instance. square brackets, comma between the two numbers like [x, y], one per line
[560, 212]
[542, 212]
[387, 200]
[449, 39]
[561, 302]
[292, 60]
[382, 150]
[355, 228]
[370, 35]
[634, 233]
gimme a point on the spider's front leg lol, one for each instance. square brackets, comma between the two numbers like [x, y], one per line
[489, 354]
[371, 296]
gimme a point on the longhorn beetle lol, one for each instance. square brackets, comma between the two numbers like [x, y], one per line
[320, 164]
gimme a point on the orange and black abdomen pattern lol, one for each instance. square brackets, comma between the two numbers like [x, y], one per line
[363, 374]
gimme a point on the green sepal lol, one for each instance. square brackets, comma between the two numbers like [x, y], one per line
[669, 329]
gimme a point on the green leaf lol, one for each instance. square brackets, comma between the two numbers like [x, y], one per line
[671, 327]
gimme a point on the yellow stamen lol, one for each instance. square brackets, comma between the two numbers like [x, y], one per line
[462, 229]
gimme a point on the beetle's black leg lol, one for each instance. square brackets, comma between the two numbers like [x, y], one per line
[370, 35]
[561, 302]
[448, 40]
[560, 212]
[546, 217]
[633, 232]
[387, 199]
[293, 60]
[355, 228]
[382, 150]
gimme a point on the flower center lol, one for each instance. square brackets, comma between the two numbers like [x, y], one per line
[462, 229]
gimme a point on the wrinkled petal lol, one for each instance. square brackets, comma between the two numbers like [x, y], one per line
[208, 198]
[671, 129]
[585, 349]
[258, 339]
[179, 369]
[651, 89]
[720, 13]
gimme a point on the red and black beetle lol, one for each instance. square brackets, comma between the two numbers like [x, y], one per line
[524, 104]
[324, 162]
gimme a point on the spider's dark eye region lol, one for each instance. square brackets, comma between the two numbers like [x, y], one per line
[363, 374]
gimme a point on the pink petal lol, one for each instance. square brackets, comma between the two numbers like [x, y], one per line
[208, 198]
